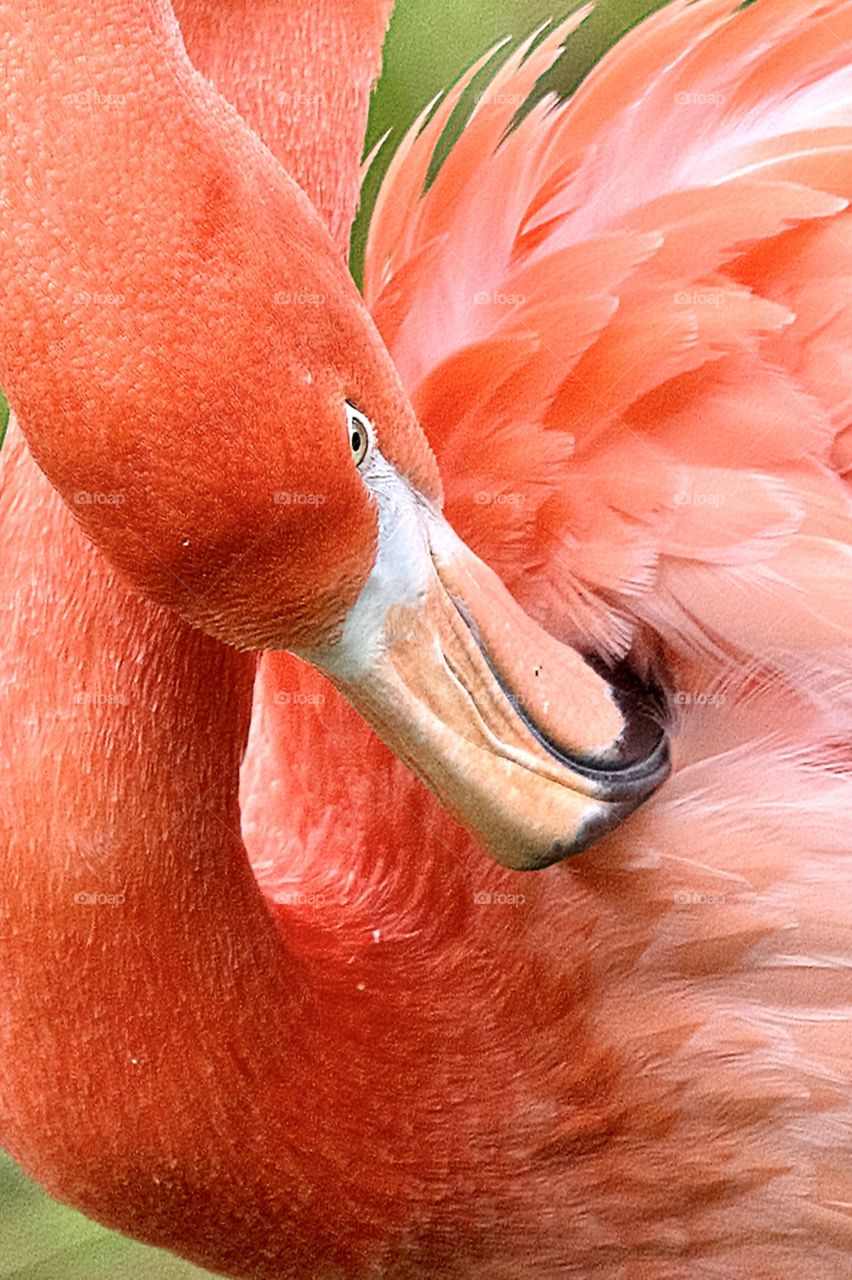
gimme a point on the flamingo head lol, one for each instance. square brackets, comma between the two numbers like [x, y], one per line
[527, 741]
[206, 388]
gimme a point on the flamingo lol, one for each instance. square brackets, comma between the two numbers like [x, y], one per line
[266, 1000]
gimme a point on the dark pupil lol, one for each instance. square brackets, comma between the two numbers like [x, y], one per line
[356, 441]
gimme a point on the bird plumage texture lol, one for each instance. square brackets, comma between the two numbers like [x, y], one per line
[623, 325]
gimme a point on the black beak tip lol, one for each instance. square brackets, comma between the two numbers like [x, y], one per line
[602, 823]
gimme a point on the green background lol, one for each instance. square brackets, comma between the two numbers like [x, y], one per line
[430, 43]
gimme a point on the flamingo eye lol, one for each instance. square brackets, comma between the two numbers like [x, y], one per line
[360, 434]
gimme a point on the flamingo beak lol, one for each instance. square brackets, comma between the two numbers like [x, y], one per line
[521, 738]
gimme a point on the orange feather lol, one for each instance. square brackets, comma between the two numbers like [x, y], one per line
[633, 1065]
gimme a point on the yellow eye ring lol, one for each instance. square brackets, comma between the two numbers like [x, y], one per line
[360, 434]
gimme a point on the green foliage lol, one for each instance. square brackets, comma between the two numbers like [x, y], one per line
[42, 1240]
[4, 418]
[430, 44]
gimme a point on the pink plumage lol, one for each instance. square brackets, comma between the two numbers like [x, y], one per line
[624, 326]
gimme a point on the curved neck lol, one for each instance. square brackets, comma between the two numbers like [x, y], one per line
[141, 974]
[301, 76]
[131, 220]
[128, 910]
[166, 232]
